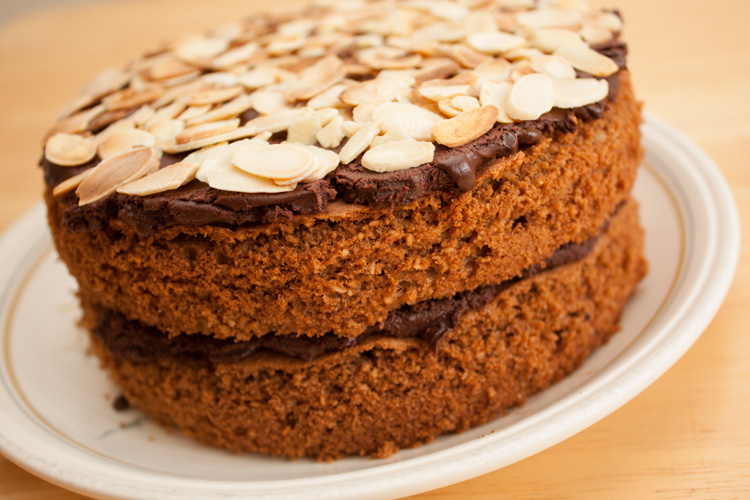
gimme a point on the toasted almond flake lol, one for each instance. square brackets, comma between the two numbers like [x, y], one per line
[388, 58]
[177, 93]
[143, 115]
[478, 21]
[610, 20]
[116, 171]
[106, 82]
[322, 75]
[350, 127]
[71, 183]
[169, 112]
[440, 92]
[495, 42]
[229, 110]
[441, 68]
[197, 132]
[549, 18]
[219, 155]
[465, 127]
[412, 120]
[325, 163]
[238, 133]
[530, 97]
[579, 92]
[69, 150]
[231, 178]
[496, 70]
[466, 56]
[269, 100]
[325, 115]
[398, 155]
[297, 27]
[214, 96]
[548, 40]
[332, 134]
[594, 33]
[285, 46]
[496, 94]
[363, 112]
[580, 5]
[303, 130]
[166, 69]
[394, 134]
[446, 10]
[166, 130]
[361, 93]
[438, 32]
[76, 105]
[556, 67]
[359, 142]
[123, 140]
[328, 98]
[220, 79]
[454, 106]
[166, 179]
[586, 59]
[128, 99]
[76, 123]
[200, 49]
[417, 99]
[237, 55]
[277, 161]
[258, 77]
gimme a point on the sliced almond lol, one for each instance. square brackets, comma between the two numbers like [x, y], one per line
[359, 142]
[123, 140]
[495, 42]
[586, 59]
[76, 123]
[235, 56]
[548, 18]
[231, 178]
[394, 134]
[258, 77]
[454, 106]
[556, 67]
[594, 33]
[200, 50]
[238, 133]
[71, 183]
[332, 134]
[214, 96]
[328, 98]
[106, 82]
[440, 68]
[193, 112]
[388, 58]
[549, 39]
[167, 69]
[530, 97]
[126, 99]
[116, 171]
[277, 161]
[303, 130]
[412, 120]
[325, 162]
[496, 94]
[495, 70]
[69, 150]
[219, 155]
[166, 179]
[229, 110]
[579, 92]
[398, 155]
[465, 127]
[466, 56]
[440, 92]
[363, 112]
[198, 132]
[166, 130]
[322, 75]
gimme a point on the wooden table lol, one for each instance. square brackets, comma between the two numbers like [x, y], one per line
[687, 436]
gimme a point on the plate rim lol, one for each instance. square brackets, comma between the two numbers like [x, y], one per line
[467, 460]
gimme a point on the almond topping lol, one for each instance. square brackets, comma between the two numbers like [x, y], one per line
[303, 130]
[550, 39]
[200, 50]
[69, 150]
[71, 183]
[531, 96]
[454, 106]
[315, 79]
[165, 179]
[465, 127]
[198, 132]
[214, 96]
[325, 163]
[495, 42]
[228, 110]
[123, 140]
[236, 55]
[496, 94]
[587, 59]
[166, 130]
[359, 142]
[548, 18]
[332, 134]
[579, 92]
[231, 178]
[277, 161]
[166, 69]
[128, 98]
[388, 58]
[440, 92]
[116, 171]
[412, 120]
[398, 155]
[556, 67]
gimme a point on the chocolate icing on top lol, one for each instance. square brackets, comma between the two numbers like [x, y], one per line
[429, 321]
[452, 170]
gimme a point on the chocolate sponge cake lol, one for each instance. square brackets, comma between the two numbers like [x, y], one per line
[353, 228]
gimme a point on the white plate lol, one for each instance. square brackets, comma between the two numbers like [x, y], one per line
[56, 418]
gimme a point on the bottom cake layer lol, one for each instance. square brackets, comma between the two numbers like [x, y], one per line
[389, 393]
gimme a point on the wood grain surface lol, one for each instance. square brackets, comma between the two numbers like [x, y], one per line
[686, 436]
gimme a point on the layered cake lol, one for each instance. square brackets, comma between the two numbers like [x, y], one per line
[353, 228]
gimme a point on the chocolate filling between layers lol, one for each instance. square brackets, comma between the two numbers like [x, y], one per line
[429, 321]
[453, 170]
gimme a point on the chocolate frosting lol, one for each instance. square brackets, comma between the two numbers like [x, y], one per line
[429, 321]
[452, 171]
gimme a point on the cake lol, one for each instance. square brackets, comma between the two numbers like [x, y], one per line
[353, 228]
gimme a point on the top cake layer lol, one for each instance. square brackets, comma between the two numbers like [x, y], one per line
[376, 103]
